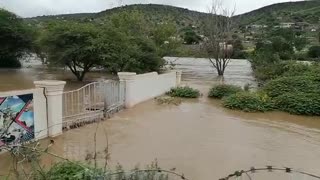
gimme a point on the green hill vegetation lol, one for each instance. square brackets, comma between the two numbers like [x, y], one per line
[301, 11]
[302, 15]
[154, 13]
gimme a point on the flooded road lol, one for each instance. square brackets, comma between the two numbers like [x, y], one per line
[199, 138]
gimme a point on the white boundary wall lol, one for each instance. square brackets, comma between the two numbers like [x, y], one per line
[47, 97]
[143, 87]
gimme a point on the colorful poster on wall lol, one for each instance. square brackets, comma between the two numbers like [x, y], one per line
[16, 119]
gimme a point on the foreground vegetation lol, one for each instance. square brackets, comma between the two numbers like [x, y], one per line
[27, 164]
[77, 171]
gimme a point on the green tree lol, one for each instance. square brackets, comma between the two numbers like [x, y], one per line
[143, 56]
[314, 52]
[300, 43]
[141, 44]
[190, 36]
[165, 37]
[14, 37]
[132, 23]
[74, 45]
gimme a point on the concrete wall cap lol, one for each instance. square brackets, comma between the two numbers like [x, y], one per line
[126, 76]
[49, 83]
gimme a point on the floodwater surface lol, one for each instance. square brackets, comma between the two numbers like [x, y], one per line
[19, 79]
[199, 137]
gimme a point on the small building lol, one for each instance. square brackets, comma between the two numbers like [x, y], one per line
[286, 25]
[256, 26]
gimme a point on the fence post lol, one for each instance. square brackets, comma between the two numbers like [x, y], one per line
[53, 91]
[128, 78]
[178, 78]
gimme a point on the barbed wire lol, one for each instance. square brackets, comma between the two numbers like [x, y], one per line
[21, 144]
[269, 169]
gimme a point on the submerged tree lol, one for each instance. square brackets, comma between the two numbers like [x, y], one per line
[218, 31]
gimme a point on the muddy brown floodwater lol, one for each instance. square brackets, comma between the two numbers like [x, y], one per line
[18, 79]
[200, 138]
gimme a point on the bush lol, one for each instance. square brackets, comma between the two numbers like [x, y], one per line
[293, 84]
[248, 102]
[299, 103]
[76, 171]
[266, 66]
[70, 170]
[314, 52]
[223, 90]
[185, 92]
[9, 62]
[301, 56]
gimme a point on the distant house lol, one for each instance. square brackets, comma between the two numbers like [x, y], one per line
[313, 30]
[249, 38]
[256, 26]
[301, 25]
[285, 25]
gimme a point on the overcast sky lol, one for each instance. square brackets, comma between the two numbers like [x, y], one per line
[30, 8]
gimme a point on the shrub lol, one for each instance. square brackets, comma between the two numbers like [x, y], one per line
[223, 90]
[299, 103]
[77, 171]
[70, 170]
[9, 62]
[248, 102]
[185, 92]
[306, 84]
[301, 56]
[266, 66]
[314, 52]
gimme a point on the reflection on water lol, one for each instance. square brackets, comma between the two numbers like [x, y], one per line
[199, 137]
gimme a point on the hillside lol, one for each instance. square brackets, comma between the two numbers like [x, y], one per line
[304, 16]
[301, 11]
[153, 12]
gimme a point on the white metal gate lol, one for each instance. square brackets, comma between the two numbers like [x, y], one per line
[92, 102]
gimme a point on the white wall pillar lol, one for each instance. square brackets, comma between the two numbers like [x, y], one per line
[128, 79]
[179, 74]
[53, 92]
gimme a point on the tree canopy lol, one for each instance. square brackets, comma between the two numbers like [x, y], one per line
[75, 46]
[14, 37]
[123, 42]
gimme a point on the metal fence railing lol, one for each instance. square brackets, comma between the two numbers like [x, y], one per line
[92, 102]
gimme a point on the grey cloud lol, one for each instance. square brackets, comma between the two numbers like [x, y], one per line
[30, 8]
